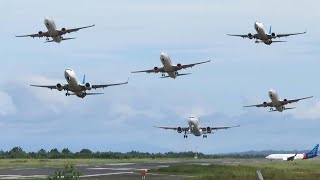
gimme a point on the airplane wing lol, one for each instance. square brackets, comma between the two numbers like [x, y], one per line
[292, 34]
[181, 66]
[245, 35]
[107, 85]
[65, 31]
[154, 70]
[40, 34]
[285, 101]
[221, 127]
[173, 128]
[265, 104]
[63, 87]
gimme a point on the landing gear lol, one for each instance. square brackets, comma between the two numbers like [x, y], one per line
[47, 39]
[185, 136]
[271, 109]
[256, 41]
[163, 75]
[205, 136]
[67, 94]
[176, 73]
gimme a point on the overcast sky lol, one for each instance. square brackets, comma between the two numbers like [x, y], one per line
[130, 35]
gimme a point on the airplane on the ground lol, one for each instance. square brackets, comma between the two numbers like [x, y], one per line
[53, 32]
[195, 129]
[169, 67]
[291, 157]
[277, 103]
[74, 85]
[263, 36]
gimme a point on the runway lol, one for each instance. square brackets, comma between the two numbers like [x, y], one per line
[115, 170]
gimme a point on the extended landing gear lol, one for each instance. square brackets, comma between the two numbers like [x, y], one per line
[163, 75]
[271, 109]
[205, 136]
[176, 73]
[47, 39]
[67, 94]
[185, 136]
[257, 41]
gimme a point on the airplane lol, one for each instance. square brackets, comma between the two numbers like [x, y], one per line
[169, 68]
[53, 32]
[263, 36]
[277, 103]
[195, 129]
[290, 157]
[74, 85]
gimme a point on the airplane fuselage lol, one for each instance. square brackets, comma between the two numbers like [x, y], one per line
[74, 83]
[286, 156]
[275, 100]
[194, 126]
[167, 65]
[262, 33]
[52, 29]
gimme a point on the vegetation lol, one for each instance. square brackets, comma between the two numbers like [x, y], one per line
[19, 153]
[70, 172]
[307, 169]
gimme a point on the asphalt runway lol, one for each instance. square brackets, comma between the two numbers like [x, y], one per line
[115, 170]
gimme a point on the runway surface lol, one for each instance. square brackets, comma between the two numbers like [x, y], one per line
[114, 170]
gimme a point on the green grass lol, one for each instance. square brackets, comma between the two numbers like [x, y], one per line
[306, 169]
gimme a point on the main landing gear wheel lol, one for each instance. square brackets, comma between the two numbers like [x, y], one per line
[162, 75]
[185, 136]
[257, 41]
[205, 136]
[47, 39]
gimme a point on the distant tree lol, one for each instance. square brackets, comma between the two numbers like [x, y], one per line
[17, 152]
[54, 154]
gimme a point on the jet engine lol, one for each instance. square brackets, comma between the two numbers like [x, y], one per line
[209, 130]
[250, 36]
[63, 29]
[40, 33]
[88, 86]
[273, 35]
[285, 101]
[179, 130]
[179, 65]
[265, 104]
[156, 69]
[59, 87]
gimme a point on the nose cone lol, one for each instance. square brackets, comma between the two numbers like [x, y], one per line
[163, 55]
[67, 72]
[268, 156]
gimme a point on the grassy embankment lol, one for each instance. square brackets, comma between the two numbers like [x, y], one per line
[305, 169]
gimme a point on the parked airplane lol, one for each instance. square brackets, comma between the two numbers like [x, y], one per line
[277, 103]
[74, 85]
[291, 157]
[53, 32]
[169, 68]
[263, 36]
[195, 129]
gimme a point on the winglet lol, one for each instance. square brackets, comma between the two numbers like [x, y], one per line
[84, 79]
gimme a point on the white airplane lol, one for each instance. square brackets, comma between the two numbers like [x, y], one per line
[291, 157]
[53, 32]
[170, 68]
[263, 36]
[74, 85]
[195, 129]
[277, 103]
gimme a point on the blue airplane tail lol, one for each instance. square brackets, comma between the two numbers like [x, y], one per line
[312, 153]
[84, 79]
[270, 30]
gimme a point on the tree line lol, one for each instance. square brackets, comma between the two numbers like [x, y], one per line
[18, 152]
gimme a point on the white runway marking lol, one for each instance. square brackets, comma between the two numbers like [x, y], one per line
[115, 169]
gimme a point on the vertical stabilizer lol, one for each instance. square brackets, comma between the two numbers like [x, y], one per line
[270, 30]
[84, 79]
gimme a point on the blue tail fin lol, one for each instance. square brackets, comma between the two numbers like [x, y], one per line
[315, 150]
[270, 30]
[84, 79]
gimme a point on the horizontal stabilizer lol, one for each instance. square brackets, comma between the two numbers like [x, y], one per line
[278, 41]
[94, 93]
[177, 75]
[64, 39]
[289, 108]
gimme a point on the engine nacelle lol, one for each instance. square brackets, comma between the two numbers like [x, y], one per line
[179, 65]
[209, 130]
[250, 36]
[179, 130]
[156, 69]
[265, 104]
[63, 29]
[88, 86]
[59, 87]
[40, 33]
[273, 35]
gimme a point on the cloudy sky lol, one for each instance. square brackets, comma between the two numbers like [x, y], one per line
[130, 35]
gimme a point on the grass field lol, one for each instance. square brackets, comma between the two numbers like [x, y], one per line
[305, 169]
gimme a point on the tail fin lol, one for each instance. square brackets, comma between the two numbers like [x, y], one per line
[315, 150]
[270, 30]
[84, 79]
